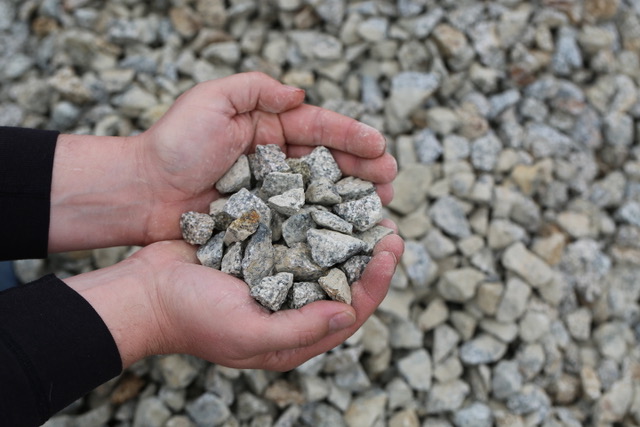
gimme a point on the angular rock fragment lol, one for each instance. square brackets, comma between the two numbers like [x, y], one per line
[450, 217]
[289, 202]
[372, 236]
[362, 213]
[237, 177]
[272, 291]
[258, 257]
[335, 284]
[322, 192]
[331, 221]
[244, 201]
[210, 254]
[279, 182]
[295, 228]
[196, 227]
[527, 265]
[232, 260]
[329, 248]
[297, 260]
[322, 164]
[303, 293]
[351, 188]
[221, 218]
[243, 227]
[299, 166]
[267, 159]
[354, 267]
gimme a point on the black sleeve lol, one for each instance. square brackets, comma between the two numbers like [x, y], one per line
[26, 165]
[54, 348]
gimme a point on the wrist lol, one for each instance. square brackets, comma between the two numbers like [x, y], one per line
[95, 195]
[120, 295]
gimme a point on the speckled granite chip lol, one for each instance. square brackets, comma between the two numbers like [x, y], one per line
[196, 227]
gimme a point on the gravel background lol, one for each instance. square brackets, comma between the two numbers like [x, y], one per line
[515, 127]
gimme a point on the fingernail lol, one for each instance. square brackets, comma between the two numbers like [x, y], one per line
[341, 321]
[293, 88]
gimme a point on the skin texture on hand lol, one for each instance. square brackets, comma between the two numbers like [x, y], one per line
[121, 191]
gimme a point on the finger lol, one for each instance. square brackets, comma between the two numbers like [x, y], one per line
[251, 91]
[385, 192]
[391, 243]
[382, 169]
[313, 126]
[292, 329]
[386, 222]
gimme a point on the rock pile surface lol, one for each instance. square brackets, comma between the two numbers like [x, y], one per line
[515, 125]
[282, 237]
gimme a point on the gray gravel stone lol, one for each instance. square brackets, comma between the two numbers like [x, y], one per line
[210, 254]
[298, 261]
[237, 177]
[294, 228]
[447, 396]
[329, 248]
[351, 188]
[363, 213]
[232, 260]
[244, 201]
[427, 146]
[410, 188]
[447, 213]
[303, 293]
[258, 259]
[475, 415]
[335, 285]
[271, 291]
[267, 159]
[196, 227]
[416, 369]
[322, 164]
[279, 182]
[289, 202]
[208, 409]
[483, 349]
[322, 191]
[460, 285]
[354, 267]
[331, 221]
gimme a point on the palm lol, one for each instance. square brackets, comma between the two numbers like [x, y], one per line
[208, 127]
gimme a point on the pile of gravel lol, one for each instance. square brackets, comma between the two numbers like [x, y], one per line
[515, 127]
[275, 228]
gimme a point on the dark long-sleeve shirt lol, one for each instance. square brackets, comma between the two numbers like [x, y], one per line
[54, 347]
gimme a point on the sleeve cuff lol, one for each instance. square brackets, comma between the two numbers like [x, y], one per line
[54, 348]
[26, 167]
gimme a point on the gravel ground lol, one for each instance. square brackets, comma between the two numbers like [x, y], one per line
[515, 127]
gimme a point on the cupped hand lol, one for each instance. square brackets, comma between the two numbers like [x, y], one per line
[161, 301]
[183, 155]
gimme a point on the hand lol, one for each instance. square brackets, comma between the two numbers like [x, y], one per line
[109, 191]
[160, 301]
[211, 125]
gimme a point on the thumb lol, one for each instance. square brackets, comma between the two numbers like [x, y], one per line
[246, 92]
[302, 328]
